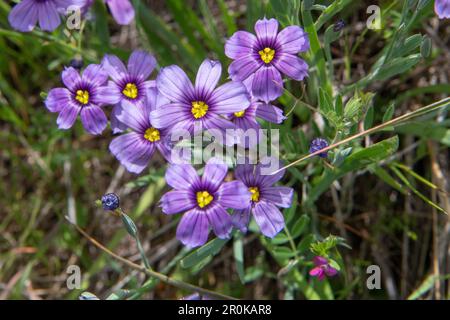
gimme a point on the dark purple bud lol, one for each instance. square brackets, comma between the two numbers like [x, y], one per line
[110, 201]
[339, 25]
[318, 144]
[76, 63]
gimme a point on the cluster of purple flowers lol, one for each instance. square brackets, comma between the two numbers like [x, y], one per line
[275, 52]
[25, 15]
[146, 112]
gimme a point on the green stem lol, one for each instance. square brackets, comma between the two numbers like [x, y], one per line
[316, 50]
[142, 252]
[291, 242]
[134, 233]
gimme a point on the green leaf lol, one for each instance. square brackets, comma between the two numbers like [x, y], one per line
[253, 273]
[227, 18]
[238, 251]
[416, 175]
[396, 66]
[184, 16]
[300, 226]
[334, 264]
[255, 10]
[101, 25]
[389, 113]
[424, 287]
[388, 116]
[327, 109]
[338, 105]
[308, 4]
[372, 154]
[386, 177]
[305, 243]
[368, 120]
[210, 249]
[341, 155]
[353, 108]
[325, 102]
[308, 290]
[282, 254]
[129, 225]
[410, 45]
[7, 114]
[332, 10]
[331, 35]
[425, 48]
[160, 35]
[356, 107]
[280, 238]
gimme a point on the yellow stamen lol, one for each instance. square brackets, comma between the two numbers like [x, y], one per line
[267, 54]
[130, 91]
[199, 109]
[152, 134]
[255, 193]
[204, 198]
[239, 114]
[82, 96]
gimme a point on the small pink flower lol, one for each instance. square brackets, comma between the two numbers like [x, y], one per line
[322, 268]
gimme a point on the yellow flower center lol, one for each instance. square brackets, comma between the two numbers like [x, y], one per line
[82, 96]
[267, 54]
[152, 134]
[255, 193]
[204, 198]
[130, 91]
[239, 114]
[199, 109]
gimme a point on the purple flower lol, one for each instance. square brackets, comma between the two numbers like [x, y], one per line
[121, 10]
[128, 85]
[82, 95]
[76, 63]
[25, 15]
[204, 201]
[134, 149]
[266, 199]
[442, 8]
[260, 60]
[318, 144]
[246, 119]
[202, 105]
[322, 268]
[196, 296]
